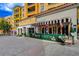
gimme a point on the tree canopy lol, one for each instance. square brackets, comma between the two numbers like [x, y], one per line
[5, 26]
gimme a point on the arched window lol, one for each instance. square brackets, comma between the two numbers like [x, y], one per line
[52, 22]
[62, 21]
[67, 19]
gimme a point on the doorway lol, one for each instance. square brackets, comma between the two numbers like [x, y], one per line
[66, 30]
[43, 30]
[59, 30]
[50, 30]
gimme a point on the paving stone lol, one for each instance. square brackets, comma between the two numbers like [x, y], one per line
[25, 46]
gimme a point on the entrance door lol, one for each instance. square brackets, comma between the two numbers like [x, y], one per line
[66, 30]
[43, 30]
[24, 29]
[59, 31]
[50, 30]
[62, 30]
[31, 31]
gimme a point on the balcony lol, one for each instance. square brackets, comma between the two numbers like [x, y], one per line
[16, 10]
[31, 10]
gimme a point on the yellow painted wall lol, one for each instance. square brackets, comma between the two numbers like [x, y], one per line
[37, 10]
[46, 6]
[52, 5]
[27, 21]
[25, 7]
[24, 11]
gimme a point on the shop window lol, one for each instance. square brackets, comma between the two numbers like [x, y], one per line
[46, 30]
[50, 30]
[31, 30]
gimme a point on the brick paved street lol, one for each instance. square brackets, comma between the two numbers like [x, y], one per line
[24, 46]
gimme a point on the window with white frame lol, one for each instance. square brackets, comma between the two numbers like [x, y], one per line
[42, 8]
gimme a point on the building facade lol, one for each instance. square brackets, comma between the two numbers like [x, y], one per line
[51, 18]
[60, 19]
[27, 19]
[10, 20]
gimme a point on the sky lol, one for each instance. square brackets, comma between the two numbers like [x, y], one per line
[6, 9]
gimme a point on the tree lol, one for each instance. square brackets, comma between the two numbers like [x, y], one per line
[5, 26]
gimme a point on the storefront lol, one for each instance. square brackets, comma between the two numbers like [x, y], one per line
[58, 23]
[24, 29]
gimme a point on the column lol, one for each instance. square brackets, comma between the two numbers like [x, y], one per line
[69, 29]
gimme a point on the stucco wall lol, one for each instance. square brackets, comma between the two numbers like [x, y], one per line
[71, 13]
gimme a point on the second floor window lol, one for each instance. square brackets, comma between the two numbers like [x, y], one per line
[42, 7]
